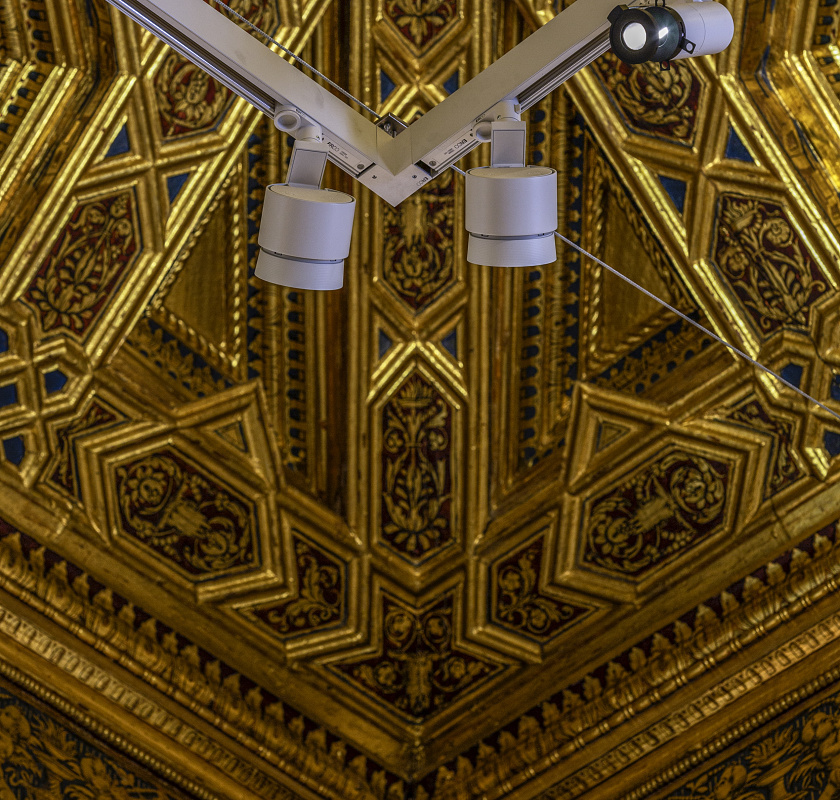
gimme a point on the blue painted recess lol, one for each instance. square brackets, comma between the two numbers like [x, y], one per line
[8, 395]
[385, 343]
[453, 83]
[120, 145]
[831, 440]
[54, 381]
[450, 343]
[835, 388]
[736, 150]
[793, 374]
[14, 449]
[4, 341]
[174, 184]
[386, 85]
[676, 191]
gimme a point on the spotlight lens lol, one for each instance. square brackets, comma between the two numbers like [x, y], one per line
[634, 36]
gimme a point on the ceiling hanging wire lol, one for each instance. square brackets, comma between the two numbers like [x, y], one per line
[296, 57]
[688, 319]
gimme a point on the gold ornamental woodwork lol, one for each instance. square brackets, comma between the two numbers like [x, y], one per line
[453, 532]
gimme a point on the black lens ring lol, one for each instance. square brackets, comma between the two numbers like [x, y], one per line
[669, 46]
[622, 21]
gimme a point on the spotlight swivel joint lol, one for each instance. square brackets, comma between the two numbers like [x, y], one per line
[511, 209]
[305, 230]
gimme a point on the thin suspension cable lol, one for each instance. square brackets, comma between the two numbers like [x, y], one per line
[296, 57]
[688, 319]
[697, 325]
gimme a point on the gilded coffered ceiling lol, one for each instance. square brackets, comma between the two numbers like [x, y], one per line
[452, 531]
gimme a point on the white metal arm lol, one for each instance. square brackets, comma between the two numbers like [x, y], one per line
[392, 167]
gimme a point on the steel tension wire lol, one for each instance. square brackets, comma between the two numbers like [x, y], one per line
[296, 57]
[688, 319]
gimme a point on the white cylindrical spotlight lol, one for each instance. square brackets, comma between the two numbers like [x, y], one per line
[708, 26]
[305, 236]
[511, 216]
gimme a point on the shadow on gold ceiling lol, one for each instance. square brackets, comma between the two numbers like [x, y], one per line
[453, 531]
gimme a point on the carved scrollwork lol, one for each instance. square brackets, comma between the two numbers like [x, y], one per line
[416, 496]
[767, 263]
[657, 513]
[320, 595]
[94, 249]
[420, 670]
[519, 601]
[182, 515]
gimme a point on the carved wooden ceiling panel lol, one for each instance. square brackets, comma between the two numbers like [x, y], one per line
[453, 531]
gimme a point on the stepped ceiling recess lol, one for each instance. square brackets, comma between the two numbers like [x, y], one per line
[453, 531]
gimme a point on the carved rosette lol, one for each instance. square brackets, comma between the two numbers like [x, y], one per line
[653, 101]
[420, 22]
[86, 263]
[661, 510]
[418, 257]
[420, 669]
[519, 601]
[416, 504]
[320, 596]
[767, 263]
[185, 516]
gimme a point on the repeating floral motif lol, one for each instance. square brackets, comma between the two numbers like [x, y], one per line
[189, 100]
[420, 670]
[192, 521]
[320, 599]
[418, 262]
[784, 470]
[663, 509]
[82, 270]
[416, 451]
[656, 102]
[97, 416]
[518, 603]
[420, 21]
[42, 760]
[799, 760]
[767, 263]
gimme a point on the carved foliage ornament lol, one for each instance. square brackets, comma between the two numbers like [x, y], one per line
[519, 602]
[798, 759]
[320, 599]
[184, 516]
[101, 239]
[768, 265]
[416, 451]
[418, 259]
[656, 102]
[39, 758]
[420, 670]
[420, 21]
[661, 510]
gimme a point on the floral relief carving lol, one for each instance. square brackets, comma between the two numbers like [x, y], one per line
[320, 597]
[417, 480]
[660, 511]
[656, 102]
[82, 270]
[418, 262]
[97, 416]
[784, 469]
[184, 516]
[420, 21]
[420, 670]
[189, 100]
[519, 602]
[768, 265]
[39, 758]
[800, 759]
